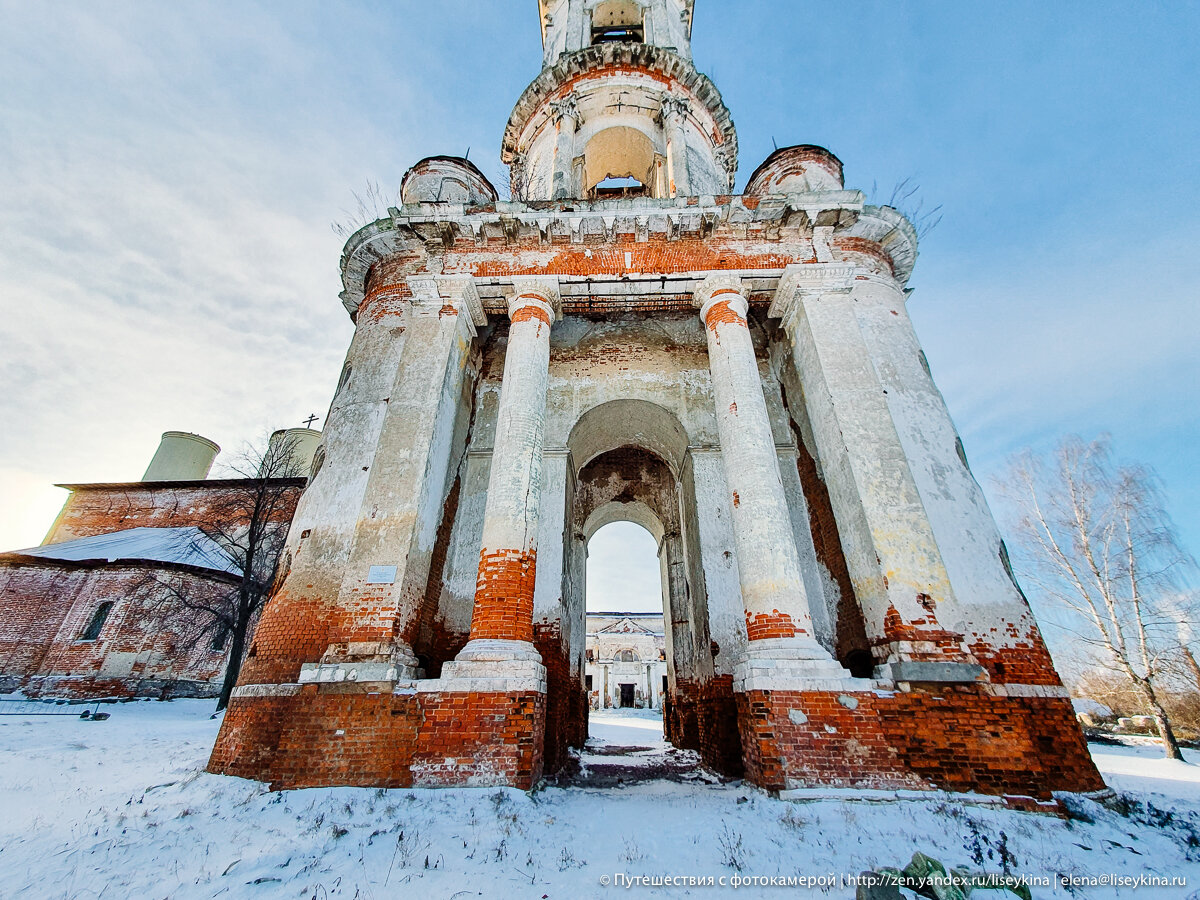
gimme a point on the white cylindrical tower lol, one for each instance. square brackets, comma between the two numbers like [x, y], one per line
[181, 456]
[302, 442]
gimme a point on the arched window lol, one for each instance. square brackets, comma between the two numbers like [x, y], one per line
[618, 20]
[220, 637]
[96, 625]
[619, 161]
[627, 656]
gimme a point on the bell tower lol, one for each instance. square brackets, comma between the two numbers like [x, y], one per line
[627, 340]
[618, 109]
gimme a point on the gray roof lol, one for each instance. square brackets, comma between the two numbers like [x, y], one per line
[187, 545]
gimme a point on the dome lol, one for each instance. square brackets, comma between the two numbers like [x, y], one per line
[446, 179]
[796, 170]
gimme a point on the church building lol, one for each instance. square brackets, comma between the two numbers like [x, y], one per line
[627, 339]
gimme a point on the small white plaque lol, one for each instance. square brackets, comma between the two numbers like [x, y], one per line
[381, 575]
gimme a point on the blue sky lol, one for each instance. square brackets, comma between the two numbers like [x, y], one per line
[169, 172]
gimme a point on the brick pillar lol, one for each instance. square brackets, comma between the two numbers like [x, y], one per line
[501, 644]
[892, 553]
[779, 626]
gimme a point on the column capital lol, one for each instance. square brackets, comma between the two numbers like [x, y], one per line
[720, 286]
[675, 109]
[808, 279]
[461, 289]
[565, 108]
[536, 290]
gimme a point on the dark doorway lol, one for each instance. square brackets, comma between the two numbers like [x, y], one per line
[626, 696]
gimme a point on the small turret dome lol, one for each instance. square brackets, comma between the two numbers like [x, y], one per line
[796, 170]
[446, 179]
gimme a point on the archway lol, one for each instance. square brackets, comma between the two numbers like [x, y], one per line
[630, 462]
[626, 630]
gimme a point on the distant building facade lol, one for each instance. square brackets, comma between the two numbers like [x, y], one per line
[626, 660]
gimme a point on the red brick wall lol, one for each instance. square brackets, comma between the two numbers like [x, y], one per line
[34, 600]
[102, 509]
[317, 738]
[959, 739]
[150, 644]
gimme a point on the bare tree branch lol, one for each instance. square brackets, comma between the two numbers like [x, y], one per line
[1095, 544]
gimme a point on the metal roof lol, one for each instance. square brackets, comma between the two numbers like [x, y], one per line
[186, 545]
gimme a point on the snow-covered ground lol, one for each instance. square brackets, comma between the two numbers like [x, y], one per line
[123, 808]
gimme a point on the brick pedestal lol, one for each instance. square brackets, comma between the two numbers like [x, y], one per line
[321, 736]
[957, 739]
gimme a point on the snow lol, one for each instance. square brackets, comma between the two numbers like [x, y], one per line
[186, 544]
[123, 808]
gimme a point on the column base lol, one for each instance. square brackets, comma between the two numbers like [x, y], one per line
[792, 664]
[492, 666]
[371, 662]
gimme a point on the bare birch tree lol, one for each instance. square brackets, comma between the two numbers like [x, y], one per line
[246, 523]
[1093, 540]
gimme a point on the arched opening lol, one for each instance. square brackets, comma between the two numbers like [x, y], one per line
[626, 632]
[618, 20]
[632, 467]
[619, 162]
[96, 623]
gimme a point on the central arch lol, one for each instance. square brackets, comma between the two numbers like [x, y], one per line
[629, 458]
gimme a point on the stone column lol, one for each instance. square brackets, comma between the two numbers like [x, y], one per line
[891, 551]
[566, 121]
[674, 115]
[781, 647]
[501, 647]
[680, 642]
[378, 605]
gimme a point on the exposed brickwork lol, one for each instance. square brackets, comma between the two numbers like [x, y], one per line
[668, 257]
[959, 740]
[681, 714]
[149, 646]
[722, 313]
[1023, 660]
[850, 633]
[866, 251]
[562, 691]
[530, 313]
[431, 641]
[717, 726]
[93, 509]
[504, 595]
[930, 642]
[774, 624]
[294, 630]
[316, 738]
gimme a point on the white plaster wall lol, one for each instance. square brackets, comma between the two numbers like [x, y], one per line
[958, 513]
[726, 615]
[398, 521]
[329, 506]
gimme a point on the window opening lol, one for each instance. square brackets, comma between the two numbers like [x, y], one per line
[96, 625]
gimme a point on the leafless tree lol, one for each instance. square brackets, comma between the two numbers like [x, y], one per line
[244, 528]
[1093, 541]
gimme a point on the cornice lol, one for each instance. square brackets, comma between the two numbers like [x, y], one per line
[596, 59]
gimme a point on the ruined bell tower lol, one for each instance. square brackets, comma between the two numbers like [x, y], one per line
[625, 339]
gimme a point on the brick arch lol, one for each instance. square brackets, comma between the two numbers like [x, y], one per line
[628, 423]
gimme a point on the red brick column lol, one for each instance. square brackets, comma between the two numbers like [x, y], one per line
[502, 623]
